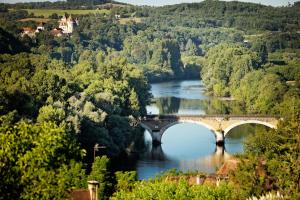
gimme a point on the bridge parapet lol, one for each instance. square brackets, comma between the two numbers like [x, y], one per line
[162, 117]
[220, 125]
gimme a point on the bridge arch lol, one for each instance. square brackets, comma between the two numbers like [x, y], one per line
[267, 124]
[157, 135]
[180, 121]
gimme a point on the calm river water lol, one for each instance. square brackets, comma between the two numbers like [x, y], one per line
[189, 146]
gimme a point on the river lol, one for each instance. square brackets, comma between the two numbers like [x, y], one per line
[189, 147]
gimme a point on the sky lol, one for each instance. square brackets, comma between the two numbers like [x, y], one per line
[168, 2]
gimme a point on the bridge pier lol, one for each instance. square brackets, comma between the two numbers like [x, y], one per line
[157, 153]
[219, 138]
[156, 137]
[219, 150]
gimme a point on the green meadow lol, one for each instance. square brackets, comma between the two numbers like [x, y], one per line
[48, 12]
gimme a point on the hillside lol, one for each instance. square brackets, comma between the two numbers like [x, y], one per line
[244, 16]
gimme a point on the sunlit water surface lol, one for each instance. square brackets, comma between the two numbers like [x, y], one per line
[188, 147]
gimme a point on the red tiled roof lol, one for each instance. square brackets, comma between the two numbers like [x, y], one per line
[28, 29]
[56, 32]
[80, 194]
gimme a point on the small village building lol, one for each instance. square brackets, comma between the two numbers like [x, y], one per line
[66, 26]
[57, 32]
[28, 31]
[31, 32]
[40, 27]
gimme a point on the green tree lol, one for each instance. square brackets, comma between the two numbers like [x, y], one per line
[34, 158]
[50, 113]
[262, 51]
[225, 65]
[125, 180]
[134, 103]
[100, 173]
[161, 189]
[272, 161]
[191, 48]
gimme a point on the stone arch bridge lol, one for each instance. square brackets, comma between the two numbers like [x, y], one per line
[219, 125]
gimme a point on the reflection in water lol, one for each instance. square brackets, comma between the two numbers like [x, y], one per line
[180, 89]
[168, 105]
[235, 138]
[187, 97]
[208, 163]
[174, 105]
[184, 147]
[162, 162]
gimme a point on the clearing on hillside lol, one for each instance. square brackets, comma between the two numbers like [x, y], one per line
[38, 20]
[130, 19]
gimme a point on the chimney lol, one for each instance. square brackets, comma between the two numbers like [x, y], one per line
[93, 189]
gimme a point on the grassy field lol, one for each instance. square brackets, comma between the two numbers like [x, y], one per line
[254, 37]
[47, 12]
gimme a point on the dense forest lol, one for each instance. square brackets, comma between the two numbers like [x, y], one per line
[60, 96]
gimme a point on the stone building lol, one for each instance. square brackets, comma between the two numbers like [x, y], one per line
[67, 24]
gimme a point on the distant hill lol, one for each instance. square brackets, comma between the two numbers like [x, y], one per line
[216, 9]
[241, 15]
[68, 4]
[91, 2]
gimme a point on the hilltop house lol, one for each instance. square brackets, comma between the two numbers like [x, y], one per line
[67, 24]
